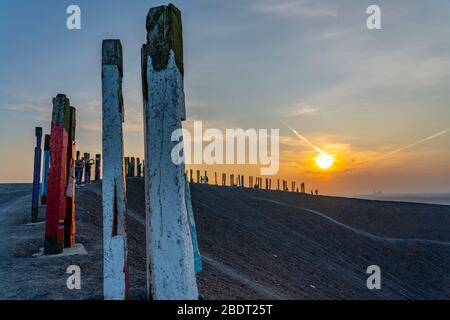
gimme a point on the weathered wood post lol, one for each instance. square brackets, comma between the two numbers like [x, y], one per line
[198, 176]
[224, 179]
[138, 167]
[242, 181]
[215, 178]
[115, 275]
[232, 180]
[36, 175]
[191, 177]
[98, 166]
[57, 176]
[133, 166]
[302, 187]
[170, 263]
[126, 165]
[45, 167]
[206, 177]
[69, 220]
[250, 182]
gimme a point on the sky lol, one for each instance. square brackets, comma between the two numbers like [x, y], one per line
[361, 95]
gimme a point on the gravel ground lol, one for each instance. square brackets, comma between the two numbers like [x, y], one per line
[255, 245]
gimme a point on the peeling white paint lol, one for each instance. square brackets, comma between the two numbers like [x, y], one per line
[114, 187]
[170, 258]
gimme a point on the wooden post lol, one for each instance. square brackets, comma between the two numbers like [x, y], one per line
[69, 220]
[126, 166]
[98, 168]
[206, 178]
[242, 182]
[232, 180]
[215, 178]
[36, 175]
[270, 184]
[138, 167]
[45, 167]
[133, 166]
[57, 176]
[170, 263]
[198, 176]
[224, 179]
[115, 275]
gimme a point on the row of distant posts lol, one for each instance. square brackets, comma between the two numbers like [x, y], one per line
[239, 181]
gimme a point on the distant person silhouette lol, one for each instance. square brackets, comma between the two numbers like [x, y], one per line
[87, 165]
[79, 165]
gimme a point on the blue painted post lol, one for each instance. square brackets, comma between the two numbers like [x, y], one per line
[45, 167]
[36, 175]
[197, 257]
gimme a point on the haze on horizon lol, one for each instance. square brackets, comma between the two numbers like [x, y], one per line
[311, 65]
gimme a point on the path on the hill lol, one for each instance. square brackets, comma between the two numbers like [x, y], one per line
[355, 230]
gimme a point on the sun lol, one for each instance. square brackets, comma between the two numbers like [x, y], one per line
[324, 161]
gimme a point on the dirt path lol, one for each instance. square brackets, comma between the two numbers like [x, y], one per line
[355, 230]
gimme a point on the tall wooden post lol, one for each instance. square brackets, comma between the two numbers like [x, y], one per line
[98, 166]
[171, 270]
[191, 178]
[36, 175]
[215, 178]
[224, 179]
[242, 181]
[232, 180]
[138, 167]
[69, 220]
[198, 176]
[133, 166]
[115, 275]
[45, 167]
[57, 176]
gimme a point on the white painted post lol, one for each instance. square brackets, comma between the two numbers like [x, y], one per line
[170, 258]
[114, 185]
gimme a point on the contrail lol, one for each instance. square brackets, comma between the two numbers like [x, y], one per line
[304, 139]
[411, 145]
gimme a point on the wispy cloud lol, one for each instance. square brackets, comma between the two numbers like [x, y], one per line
[305, 8]
[302, 109]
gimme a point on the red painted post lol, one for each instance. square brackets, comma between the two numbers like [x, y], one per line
[57, 177]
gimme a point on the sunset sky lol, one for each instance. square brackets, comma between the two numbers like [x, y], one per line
[312, 65]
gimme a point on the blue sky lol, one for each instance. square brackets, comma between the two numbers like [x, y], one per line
[249, 64]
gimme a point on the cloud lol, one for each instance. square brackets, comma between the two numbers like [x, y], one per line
[303, 8]
[302, 109]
